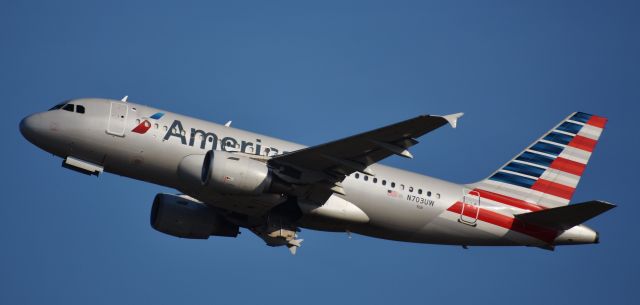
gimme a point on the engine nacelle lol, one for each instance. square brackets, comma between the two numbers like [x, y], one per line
[232, 174]
[182, 217]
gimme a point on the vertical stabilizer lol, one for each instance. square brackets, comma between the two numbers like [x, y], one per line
[546, 174]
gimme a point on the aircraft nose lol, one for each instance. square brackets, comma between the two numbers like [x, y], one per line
[29, 127]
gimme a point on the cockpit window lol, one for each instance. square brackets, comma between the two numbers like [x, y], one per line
[69, 107]
[56, 107]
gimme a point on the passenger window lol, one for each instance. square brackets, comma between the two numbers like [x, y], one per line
[429, 194]
[68, 107]
[411, 189]
[80, 109]
[393, 184]
[420, 191]
[384, 182]
[366, 178]
[375, 180]
[357, 176]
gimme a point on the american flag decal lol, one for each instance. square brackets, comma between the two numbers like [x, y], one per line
[392, 193]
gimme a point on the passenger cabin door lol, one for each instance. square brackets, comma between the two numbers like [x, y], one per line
[117, 118]
[470, 208]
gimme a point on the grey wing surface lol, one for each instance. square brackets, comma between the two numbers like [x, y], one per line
[332, 161]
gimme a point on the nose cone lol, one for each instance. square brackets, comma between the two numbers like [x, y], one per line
[30, 128]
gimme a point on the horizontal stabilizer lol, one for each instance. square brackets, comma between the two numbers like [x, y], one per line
[566, 217]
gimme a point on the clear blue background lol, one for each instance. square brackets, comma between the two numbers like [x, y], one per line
[313, 72]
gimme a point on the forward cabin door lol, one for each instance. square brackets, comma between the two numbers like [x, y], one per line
[117, 118]
[470, 208]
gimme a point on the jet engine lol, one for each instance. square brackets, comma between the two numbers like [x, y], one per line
[186, 218]
[227, 173]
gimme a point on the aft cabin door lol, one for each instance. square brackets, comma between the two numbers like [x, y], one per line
[470, 208]
[117, 118]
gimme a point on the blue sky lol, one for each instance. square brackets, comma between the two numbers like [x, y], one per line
[313, 72]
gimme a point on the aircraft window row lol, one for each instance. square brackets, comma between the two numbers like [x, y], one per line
[393, 185]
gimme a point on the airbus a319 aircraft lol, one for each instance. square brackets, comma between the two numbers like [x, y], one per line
[230, 179]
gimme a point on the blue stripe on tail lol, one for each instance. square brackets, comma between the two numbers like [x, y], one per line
[547, 148]
[581, 117]
[559, 138]
[535, 159]
[525, 169]
[570, 127]
[513, 179]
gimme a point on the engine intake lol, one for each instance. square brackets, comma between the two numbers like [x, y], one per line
[182, 217]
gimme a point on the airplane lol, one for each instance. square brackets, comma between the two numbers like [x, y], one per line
[228, 179]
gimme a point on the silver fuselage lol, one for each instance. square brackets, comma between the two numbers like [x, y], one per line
[414, 210]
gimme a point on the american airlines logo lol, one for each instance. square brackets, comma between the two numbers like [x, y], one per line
[145, 125]
[209, 140]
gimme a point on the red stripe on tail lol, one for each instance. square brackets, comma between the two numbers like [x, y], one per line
[553, 188]
[569, 166]
[514, 202]
[583, 143]
[597, 121]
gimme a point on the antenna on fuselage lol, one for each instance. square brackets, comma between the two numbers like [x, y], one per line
[124, 99]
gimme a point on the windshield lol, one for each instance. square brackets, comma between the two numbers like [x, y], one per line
[58, 106]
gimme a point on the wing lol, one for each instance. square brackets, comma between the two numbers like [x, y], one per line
[332, 162]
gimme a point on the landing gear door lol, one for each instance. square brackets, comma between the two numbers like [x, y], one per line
[117, 118]
[470, 208]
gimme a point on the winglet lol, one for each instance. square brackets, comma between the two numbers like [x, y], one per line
[453, 118]
[124, 99]
[227, 124]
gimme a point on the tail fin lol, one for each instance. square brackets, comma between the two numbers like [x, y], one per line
[548, 171]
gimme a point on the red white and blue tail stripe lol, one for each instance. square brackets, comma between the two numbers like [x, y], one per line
[546, 174]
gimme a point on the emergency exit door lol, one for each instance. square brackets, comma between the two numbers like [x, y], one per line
[470, 208]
